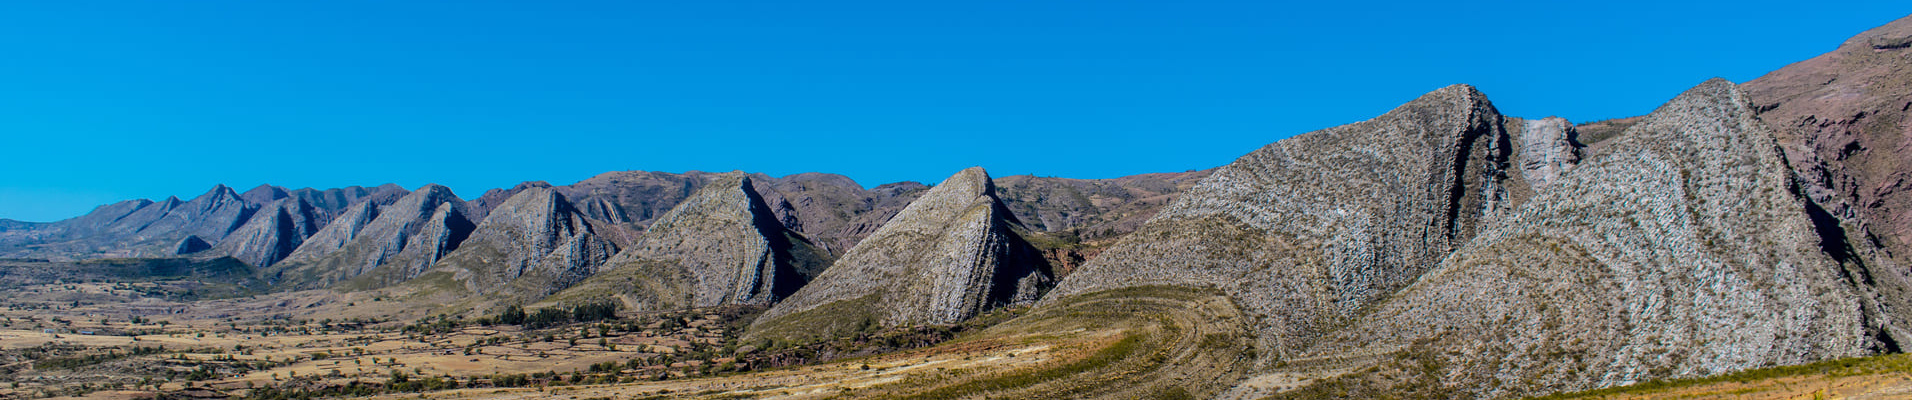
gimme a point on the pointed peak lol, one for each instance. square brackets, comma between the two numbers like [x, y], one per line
[972, 180]
[265, 194]
[218, 190]
[1712, 91]
[531, 184]
[433, 190]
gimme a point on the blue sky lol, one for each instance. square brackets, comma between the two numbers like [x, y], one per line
[109, 100]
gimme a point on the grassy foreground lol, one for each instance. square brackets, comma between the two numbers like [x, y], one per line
[1878, 377]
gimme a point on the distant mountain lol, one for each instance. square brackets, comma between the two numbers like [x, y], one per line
[273, 232]
[143, 228]
[534, 244]
[953, 253]
[397, 240]
[721, 246]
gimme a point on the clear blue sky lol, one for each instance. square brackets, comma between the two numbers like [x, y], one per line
[110, 100]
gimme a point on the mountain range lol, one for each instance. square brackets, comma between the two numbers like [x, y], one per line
[1440, 248]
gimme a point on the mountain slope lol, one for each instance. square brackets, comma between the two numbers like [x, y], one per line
[722, 246]
[1842, 118]
[407, 235]
[1407, 188]
[274, 232]
[534, 244]
[1678, 251]
[953, 253]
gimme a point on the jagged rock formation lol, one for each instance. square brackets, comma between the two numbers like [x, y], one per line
[722, 246]
[1680, 250]
[953, 253]
[143, 228]
[1547, 149]
[1842, 118]
[632, 198]
[210, 216]
[402, 238]
[132, 228]
[496, 197]
[1092, 208]
[274, 232]
[832, 210]
[534, 244]
[1076, 218]
[1407, 188]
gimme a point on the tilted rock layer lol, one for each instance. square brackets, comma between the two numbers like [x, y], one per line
[533, 245]
[1308, 231]
[1680, 250]
[402, 238]
[721, 246]
[953, 253]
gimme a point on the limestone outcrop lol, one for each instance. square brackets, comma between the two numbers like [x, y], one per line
[953, 253]
[404, 237]
[721, 246]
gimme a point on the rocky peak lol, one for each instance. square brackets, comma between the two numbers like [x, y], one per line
[210, 216]
[496, 197]
[1685, 226]
[1311, 229]
[273, 233]
[264, 194]
[391, 241]
[534, 244]
[721, 246]
[951, 254]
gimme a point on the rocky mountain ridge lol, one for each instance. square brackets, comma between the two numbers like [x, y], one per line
[722, 246]
[953, 253]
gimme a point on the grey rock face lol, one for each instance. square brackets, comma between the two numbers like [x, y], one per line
[721, 246]
[1092, 208]
[534, 244]
[143, 228]
[1547, 149]
[400, 238]
[1308, 231]
[210, 216]
[833, 210]
[274, 232]
[337, 233]
[1679, 250]
[953, 253]
[496, 197]
[632, 198]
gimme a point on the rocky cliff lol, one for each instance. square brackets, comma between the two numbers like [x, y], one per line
[273, 232]
[721, 246]
[1308, 231]
[951, 254]
[144, 228]
[404, 237]
[1680, 250]
[534, 244]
